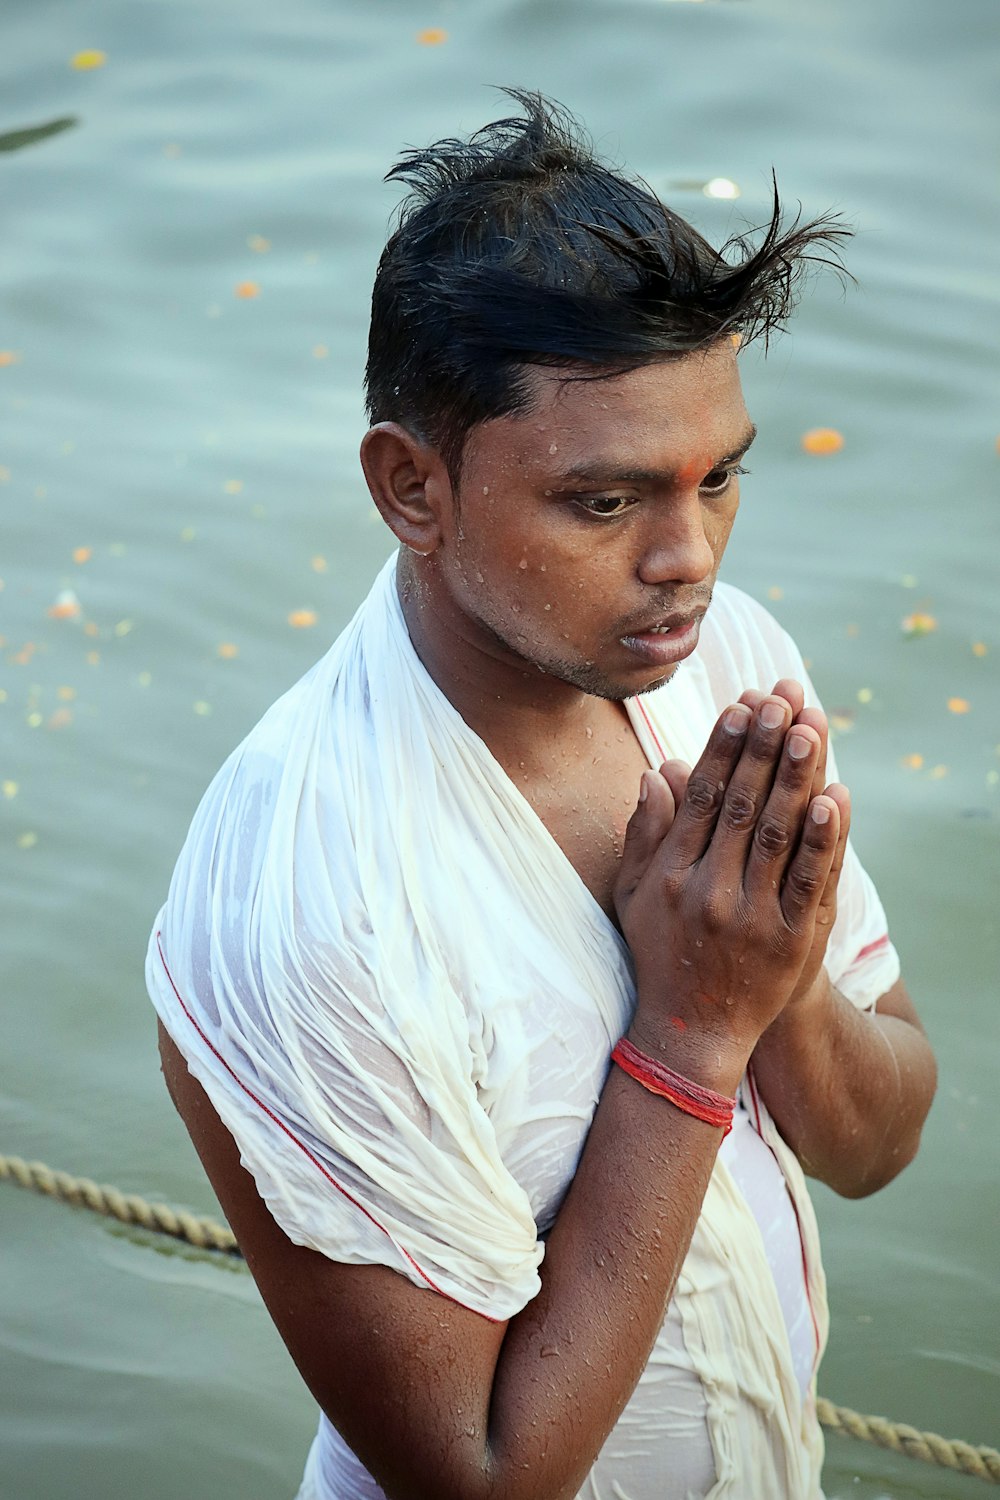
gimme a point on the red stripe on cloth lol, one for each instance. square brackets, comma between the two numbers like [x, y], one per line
[869, 948]
[649, 725]
[305, 1149]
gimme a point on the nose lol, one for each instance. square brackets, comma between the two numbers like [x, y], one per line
[676, 547]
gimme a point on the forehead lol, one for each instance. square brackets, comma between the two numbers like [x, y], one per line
[673, 412]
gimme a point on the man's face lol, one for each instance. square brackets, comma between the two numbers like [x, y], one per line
[588, 533]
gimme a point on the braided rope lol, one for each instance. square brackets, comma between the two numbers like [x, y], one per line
[128, 1208]
[209, 1234]
[948, 1453]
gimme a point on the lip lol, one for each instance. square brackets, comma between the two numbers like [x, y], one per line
[662, 650]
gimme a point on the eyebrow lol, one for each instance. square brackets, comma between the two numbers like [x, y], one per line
[611, 473]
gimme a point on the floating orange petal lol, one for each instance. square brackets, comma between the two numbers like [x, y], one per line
[60, 719]
[432, 36]
[912, 762]
[89, 58]
[775, 592]
[318, 564]
[66, 607]
[247, 289]
[822, 440]
[8, 357]
[82, 554]
[959, 705]
[979, 648]
[21, 658]
[918, 624]
[301, 619]
[227, 650]
[320, 351]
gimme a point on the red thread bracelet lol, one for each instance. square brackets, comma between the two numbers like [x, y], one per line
[692, 1098]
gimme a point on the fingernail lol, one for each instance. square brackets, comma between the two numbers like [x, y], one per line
[798, 746]
[643, 787]
[820, 812]
[771, 715]
[737, 719]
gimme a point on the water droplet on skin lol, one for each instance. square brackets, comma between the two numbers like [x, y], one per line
[590, 732]
[548, 606]
[553, 447]
[486, 489]
[480, 578]
[698, 943]
[523, 563]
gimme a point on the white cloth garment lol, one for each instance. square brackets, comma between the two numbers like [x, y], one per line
[401, 999]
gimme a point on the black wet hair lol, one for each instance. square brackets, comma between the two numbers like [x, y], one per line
[518, 247]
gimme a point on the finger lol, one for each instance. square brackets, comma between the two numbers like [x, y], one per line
[816, 719]
[645, 831]
[748, 791]
[808, 872]
[778, 825]
[676, 773]
[793, 693]
[699, 808]
[828, 902]
[752, 697]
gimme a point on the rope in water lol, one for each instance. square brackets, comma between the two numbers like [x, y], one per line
[208, 1234]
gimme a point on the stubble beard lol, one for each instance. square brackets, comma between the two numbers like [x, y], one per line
[586, 676]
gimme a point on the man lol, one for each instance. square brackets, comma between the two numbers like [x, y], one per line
[464, 861]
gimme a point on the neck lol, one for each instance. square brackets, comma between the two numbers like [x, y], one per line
[509, 703]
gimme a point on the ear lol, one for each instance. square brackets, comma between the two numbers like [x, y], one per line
[409, 484]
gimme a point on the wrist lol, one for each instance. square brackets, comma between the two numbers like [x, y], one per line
[803, 1019]
[714, 1062]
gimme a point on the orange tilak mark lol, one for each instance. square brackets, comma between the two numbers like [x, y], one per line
[678, 1024]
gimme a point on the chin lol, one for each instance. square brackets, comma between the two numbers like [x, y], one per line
[590, 680]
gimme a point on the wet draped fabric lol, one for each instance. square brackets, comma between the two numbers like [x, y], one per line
[401, 999]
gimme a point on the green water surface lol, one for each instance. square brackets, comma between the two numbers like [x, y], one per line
[200, 447]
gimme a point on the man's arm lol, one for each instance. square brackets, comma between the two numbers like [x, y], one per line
[848, 1089]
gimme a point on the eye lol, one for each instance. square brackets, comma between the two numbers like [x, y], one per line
[719, 480]
[605, 507]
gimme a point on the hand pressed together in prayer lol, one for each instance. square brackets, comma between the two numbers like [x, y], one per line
[728, 881]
